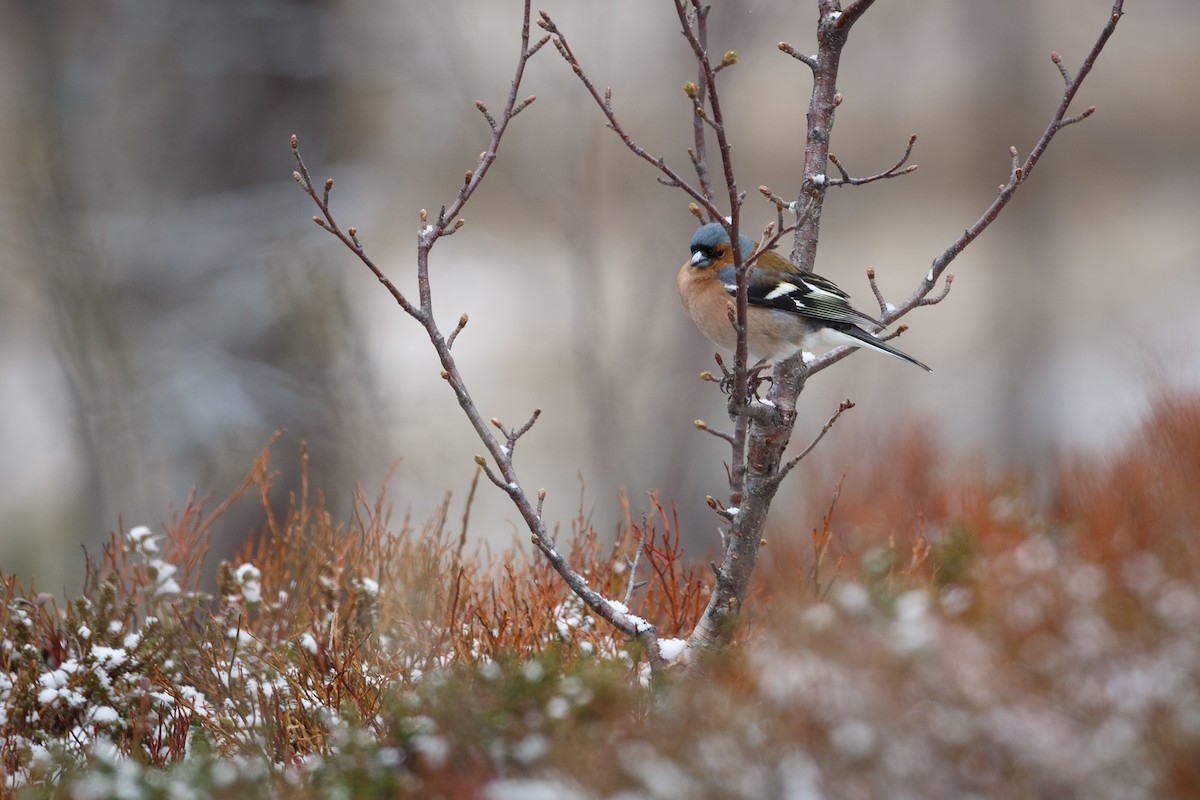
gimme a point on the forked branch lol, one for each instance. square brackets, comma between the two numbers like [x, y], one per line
[895, 170]
[500, 449]
[1019, 172]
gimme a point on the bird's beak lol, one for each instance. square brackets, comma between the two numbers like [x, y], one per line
[698, 259]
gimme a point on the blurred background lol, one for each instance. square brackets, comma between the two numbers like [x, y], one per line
[165, 302]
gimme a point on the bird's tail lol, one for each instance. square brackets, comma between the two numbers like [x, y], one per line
[864, 339]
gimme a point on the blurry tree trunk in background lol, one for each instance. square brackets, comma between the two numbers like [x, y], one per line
[75, 279]
[158, 125]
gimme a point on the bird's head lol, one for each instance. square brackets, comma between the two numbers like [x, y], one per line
[710, 247]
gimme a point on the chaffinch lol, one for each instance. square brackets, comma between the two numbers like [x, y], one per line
[788, 310]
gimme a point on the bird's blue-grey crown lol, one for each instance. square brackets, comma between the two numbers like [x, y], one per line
[710, 236]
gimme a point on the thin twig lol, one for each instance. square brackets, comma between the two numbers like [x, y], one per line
[326, 221]
[692, 17]
[724, 513]
[605, 103]
[1062, 68]
[633, 566]
[809, 61]
[462, 323]
[699, 94]
[822, 539]
[893, 171]
[883, 304]
[842, 408]
[701, 425]
[693, 26]
[932, 301]
[852, 12]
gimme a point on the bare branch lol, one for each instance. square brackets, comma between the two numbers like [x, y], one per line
[693, 26]
[701, 425]
[633, 565]
[809, 61]
[349, 239]
[883, 304]
[1062, 69]
[852, 12]
[933, 301]
[728, 60]
[762, 433]
[462, 323]
[493, 477]
[694, 36]
[891, 172]
[605, 103]
[894, 333]
[1018, 174]
[833, 27]
[524, 429]
[524, 104]
[540, 44]
[724, 513]
[698, 92]
[1087, 112]
[447, 222]
[486, 114]
[842, 408]
[707, 113]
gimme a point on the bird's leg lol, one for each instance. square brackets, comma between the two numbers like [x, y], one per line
[755, 378]
[726, 381]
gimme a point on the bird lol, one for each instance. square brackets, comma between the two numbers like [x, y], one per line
[788, 310]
